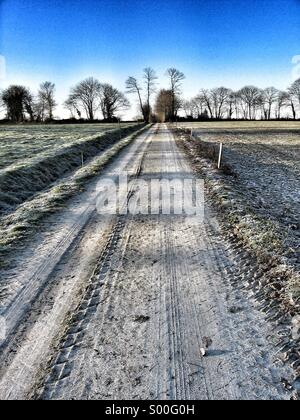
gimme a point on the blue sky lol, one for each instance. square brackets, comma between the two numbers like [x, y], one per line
[215, 42]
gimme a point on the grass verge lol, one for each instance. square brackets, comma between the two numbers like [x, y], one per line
[27, 218]
[274, 280]
[22, 181]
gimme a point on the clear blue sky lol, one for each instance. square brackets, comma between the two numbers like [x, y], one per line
[215, 42]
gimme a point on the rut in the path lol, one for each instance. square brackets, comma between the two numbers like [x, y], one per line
[162, 287]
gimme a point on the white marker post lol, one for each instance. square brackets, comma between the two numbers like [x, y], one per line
[220, 156]
[120, 135]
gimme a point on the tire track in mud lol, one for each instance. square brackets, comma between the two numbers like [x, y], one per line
[99, 291]
[177, 378]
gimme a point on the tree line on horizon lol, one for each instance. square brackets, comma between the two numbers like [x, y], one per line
[248, 103]
[90, 96]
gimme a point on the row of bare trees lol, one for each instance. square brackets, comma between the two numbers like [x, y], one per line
[168, 101]
[248, 103]
[133, 86]
[85, 99]
[90, 96]
[20, 103]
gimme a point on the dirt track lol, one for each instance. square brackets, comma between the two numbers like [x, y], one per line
[143, 293]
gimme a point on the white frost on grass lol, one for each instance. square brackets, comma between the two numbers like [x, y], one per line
[33, 157]
[27, 217]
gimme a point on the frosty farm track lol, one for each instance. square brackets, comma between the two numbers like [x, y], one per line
[126, 305]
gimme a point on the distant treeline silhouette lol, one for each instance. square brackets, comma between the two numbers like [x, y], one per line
[89, 99]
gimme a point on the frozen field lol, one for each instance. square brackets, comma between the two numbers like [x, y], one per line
[20, 144]
[265, 157]
[42, 166]
[243, 125]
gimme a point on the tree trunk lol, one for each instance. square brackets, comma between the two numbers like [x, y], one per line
[141, 105]
[293, 110]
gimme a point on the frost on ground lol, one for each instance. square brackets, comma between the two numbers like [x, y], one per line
[258, 195]
[18, 224]
[140, 307]
[33, 157]
[267, 169]
[20, 144]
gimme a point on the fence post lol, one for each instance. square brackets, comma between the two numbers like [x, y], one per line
[220, 156]
[120, 135]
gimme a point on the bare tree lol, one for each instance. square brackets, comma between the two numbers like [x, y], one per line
[150, 82]
[292, 105]
[132, 86]
[176, 78]
[17, 101]
[282, 101]
[251, 98]
[29, 105]
[112, 101]
[164, 105]
[294, 92]
[198, 104]
[230, 103]
[187, 106]
[237, 105]
[86, 96]
[73, 106]
[207, 99]
[46, 98]
[219, 97]
[269, 98]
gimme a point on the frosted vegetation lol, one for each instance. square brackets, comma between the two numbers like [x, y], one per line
[18, 144]
[260, 190]
[35, 187]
